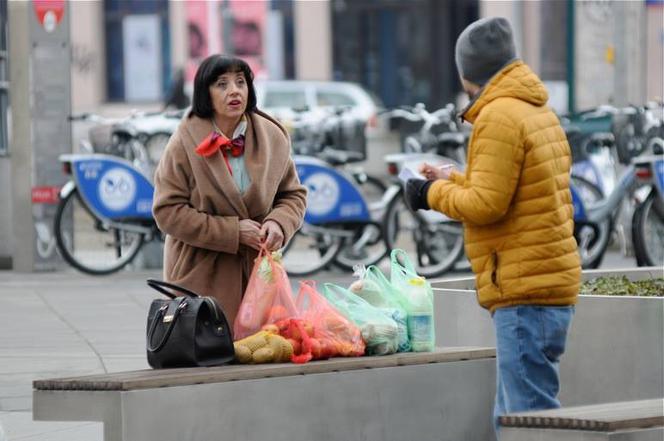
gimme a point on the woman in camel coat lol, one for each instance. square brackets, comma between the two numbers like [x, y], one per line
[225, 185]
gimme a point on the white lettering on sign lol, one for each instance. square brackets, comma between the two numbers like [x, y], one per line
[144, 205]
[349, 210]
[117, 189]
[90, 170]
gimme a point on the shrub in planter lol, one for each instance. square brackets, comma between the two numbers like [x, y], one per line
[622, 286]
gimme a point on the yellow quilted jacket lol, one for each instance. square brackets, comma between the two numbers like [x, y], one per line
[514, 199]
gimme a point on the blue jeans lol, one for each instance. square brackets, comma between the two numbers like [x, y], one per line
[529, 343]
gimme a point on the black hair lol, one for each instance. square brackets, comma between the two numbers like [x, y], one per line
[208, 72]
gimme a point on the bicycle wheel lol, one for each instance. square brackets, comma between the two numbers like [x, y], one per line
[592, 242]
[310, 250]
[648, 231]
[155, 145]
[373, 189]
[367, 246]
[87, 243]
[437, 245]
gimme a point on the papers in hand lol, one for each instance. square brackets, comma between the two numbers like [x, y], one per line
[407, 173]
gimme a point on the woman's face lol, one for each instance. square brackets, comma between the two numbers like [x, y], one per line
[229, 94]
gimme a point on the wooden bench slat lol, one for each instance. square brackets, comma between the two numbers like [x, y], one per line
[148, 378]
[601, 417]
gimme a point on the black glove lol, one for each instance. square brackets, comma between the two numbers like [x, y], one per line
[416, 194]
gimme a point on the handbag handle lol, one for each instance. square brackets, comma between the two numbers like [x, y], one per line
[171, 325]
[159, 285]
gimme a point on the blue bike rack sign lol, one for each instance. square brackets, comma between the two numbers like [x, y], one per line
[332, 197]
[112, 187]
[577, 202]
[659, 172]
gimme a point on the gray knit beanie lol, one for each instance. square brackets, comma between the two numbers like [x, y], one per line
[484, 48]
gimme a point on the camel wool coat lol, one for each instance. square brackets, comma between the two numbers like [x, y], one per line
[198, 206]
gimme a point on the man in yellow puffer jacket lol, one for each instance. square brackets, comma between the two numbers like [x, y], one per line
[515, 204]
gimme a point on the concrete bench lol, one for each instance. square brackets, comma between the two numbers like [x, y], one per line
[442, 395]
[624, 421]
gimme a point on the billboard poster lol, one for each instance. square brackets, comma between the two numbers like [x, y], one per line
[142, 57]
[197, 35]
[234, 27]
[246, 20]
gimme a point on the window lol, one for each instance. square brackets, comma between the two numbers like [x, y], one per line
[401, 50]
[137, 49]
[4, 80]
[294, 99]
[327, 98]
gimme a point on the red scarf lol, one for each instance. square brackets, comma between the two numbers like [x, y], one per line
[216, 141]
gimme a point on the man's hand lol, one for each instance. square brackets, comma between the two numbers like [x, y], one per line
[416, 194]
[273, 235]
[251, 234]
[432, 172]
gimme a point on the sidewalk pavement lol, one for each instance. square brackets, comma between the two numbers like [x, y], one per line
[64, 324]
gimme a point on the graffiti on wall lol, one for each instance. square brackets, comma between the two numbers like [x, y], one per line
[83, 59]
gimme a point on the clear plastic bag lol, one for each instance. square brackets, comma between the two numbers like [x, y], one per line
[268, 297]
[415, 295]
[374, 287]
[379, 331]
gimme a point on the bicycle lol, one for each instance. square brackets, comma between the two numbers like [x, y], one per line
[104, 215]
[439, 132]
[435, 239]
[340, 225]
[321, 135]
[594, 215]
[648, 217]
[139, 138]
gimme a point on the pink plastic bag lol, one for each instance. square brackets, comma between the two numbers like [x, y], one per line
[336, 335]
[268, 297]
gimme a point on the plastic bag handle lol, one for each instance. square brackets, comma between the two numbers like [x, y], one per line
[342, 293]
[377, 273]
[407, 265]
[265, 253]
[306, 286]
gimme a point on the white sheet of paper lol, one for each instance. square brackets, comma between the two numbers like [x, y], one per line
[407, 173]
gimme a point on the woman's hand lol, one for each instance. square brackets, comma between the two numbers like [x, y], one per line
[251, 233]
[432, 172]
[274, 236]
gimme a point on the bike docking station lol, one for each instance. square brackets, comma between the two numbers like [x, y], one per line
[113, 188]
[117, 197]
[40, 96]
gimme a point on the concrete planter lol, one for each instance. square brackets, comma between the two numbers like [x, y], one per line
[615, 351]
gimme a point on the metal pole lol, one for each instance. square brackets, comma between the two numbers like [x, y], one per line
[571, 55]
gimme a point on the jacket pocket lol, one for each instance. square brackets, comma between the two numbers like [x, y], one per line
[495, 272]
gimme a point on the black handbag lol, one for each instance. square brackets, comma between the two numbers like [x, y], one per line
[187, 331]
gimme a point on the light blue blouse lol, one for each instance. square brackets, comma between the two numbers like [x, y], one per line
[240, 176]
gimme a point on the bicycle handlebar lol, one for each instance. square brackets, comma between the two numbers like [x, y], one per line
[338, 157]
[416, 114]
